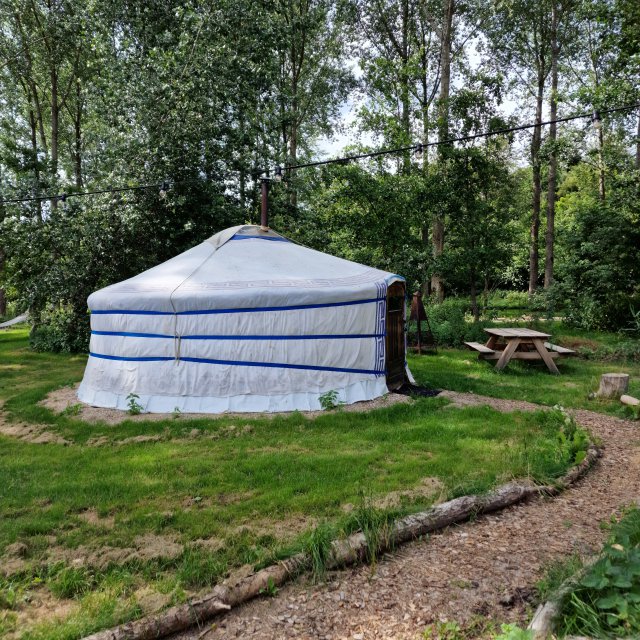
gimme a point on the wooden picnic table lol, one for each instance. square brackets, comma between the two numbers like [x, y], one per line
[518, 343]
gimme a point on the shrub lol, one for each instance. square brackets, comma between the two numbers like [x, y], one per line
[625, 350]
[452, 324]
[61, 328]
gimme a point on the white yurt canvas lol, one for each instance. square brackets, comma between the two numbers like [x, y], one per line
[246, 321]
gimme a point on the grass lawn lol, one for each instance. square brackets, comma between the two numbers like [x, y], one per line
[460, 370]
[215, 494]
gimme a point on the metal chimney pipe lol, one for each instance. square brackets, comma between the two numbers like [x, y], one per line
[264, 207]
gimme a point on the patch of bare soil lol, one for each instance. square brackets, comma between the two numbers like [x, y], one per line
[34, 433]
[286, 528]
[427, 488]
[43, 605]
[92, 517]
[66, 398]
[485, 569]
[150, 600]
[146, 547]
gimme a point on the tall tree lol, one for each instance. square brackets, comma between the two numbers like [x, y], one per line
[448, 10]
[314, 78]
[519, 32]
[562, 35]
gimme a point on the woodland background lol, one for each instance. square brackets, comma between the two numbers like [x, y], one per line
[96, 95]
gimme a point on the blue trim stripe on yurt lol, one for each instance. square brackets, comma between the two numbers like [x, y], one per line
[238, 363]
[294, 307]
[272, 238]
[127, 334]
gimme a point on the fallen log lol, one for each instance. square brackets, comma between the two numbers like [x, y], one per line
[344, 552]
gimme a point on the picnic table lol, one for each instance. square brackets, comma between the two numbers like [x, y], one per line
[504, 345]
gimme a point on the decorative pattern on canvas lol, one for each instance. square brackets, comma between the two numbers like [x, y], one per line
[381, 320]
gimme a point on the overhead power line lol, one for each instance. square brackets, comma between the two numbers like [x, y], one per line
[62, 197]
[165, 185]
[593, 115]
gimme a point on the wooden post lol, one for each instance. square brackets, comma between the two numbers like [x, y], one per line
[418, 314]
[264, 204]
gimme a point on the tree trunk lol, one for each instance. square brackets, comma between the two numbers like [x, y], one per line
[473, 294]
[535, 209]
[553, 158]
[36, 166]
[55, 119]
[3, 297]
[293, 158]
[601, 183]
[443, 133]
[404, 88]
[78, 137]
[638, 144]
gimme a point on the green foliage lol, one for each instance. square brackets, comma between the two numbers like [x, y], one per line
[318, 547]
[72, 410]
[200, 568]
[555, 574]
[329, 400]
[573, 441]
[71, 582]
[444, 631]
[513, 632]
[452, 324]
[606, 601]
[134, 407]
[621, 350]
[599, 282]
[271, 590]
[376, 526]
[60, 329]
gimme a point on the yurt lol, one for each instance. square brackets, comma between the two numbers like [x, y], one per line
[246, 321]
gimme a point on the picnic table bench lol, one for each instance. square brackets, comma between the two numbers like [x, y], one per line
[504, 345]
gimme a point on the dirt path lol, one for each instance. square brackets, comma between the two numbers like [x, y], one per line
[480, 570]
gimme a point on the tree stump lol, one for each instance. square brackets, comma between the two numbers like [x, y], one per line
[613, 385]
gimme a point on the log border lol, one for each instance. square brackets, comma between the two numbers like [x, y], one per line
[344, 552]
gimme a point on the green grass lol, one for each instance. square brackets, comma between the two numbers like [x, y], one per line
[460, 370]
[264, 487]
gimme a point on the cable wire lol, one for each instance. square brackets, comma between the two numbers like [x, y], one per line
[594, 115]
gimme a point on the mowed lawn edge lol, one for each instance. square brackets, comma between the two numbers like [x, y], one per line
[251, 489]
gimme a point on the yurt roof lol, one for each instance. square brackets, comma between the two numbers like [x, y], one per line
[240, 267]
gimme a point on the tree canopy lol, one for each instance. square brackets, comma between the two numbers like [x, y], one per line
[101, 95]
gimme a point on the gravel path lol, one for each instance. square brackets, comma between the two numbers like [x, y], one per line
[475, 571]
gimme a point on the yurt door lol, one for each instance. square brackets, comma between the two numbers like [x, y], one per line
[395, 335]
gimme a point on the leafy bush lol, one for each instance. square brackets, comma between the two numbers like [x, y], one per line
[598, 286]
[452, 324]
[501, 299]
[329, 400]
[573, 441]
[61, 328]
[606, 601]
[598, 312]
[625, 350]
